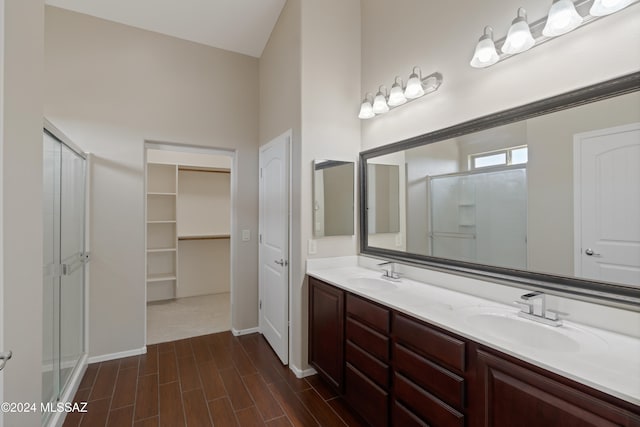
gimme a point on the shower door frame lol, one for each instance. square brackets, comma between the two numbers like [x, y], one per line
[73, 382]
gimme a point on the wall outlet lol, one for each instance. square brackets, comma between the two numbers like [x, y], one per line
[246, 235]
[313, 247]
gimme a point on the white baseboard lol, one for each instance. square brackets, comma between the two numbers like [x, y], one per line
[105, 357]
[300, 373]
[237, 333]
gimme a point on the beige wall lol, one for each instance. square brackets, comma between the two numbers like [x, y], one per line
[330, 129]
[21, 25]
[441, 36]
[309, 74]
[110, 87]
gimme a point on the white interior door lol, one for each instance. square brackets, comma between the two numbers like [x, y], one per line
[274, 245]
[607, 205]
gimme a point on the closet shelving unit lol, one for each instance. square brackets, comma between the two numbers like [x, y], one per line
[162, 242]
[186, 232]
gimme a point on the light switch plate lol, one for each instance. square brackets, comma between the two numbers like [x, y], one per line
[398, 239]
[313, 248]
[246, 235]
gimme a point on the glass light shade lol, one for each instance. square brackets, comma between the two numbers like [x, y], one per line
[414, 87]
[519, 38]
[380, 104]
[607, 7]
[366, 110]
[485, 54]
[396, 96]
[562, 18]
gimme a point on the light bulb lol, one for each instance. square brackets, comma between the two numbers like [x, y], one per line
[396, 95]
[607, 7]
[562, 18]
[380, 103]
[414, 87]
[366, 110]
[519, 38]
[485, 53]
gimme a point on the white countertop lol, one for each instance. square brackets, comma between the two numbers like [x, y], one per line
[606, 361]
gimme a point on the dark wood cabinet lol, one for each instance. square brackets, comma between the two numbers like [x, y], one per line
[400, 371]
[326, 331]
[429, 379]
[367, 382]
[516, 393]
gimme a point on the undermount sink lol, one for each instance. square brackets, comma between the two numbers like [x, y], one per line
[373, 284]
[506, 325]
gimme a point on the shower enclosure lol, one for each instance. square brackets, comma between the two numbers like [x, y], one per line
[480, 216]
[64, 260]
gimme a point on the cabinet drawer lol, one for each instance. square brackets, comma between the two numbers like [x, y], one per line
[428, 407]
[442, 383]
[374, 369]
[368, 313]
[368, 339]
[431, 343]
[402, 417]
[369, 400]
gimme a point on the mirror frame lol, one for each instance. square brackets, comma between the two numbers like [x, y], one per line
[617, 295]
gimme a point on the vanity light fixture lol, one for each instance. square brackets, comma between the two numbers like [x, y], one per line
[485, 54]
[366, 109]
[519, 38]
[607, 7]
[564, 16]
[384, 100]
[380, 105]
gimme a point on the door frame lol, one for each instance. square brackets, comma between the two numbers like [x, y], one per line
[287, 136]
[233, 244]
[578, 139]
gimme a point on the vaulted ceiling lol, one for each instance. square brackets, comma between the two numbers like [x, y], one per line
[242, 26]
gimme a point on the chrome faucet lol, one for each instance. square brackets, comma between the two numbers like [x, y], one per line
[537, 312]
[389, 273]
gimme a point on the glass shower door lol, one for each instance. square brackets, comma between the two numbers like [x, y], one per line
[64, 293]
[72, 207]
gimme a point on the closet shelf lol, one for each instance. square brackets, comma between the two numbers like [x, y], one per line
[204, 237]
[160, 277]
[160, 250]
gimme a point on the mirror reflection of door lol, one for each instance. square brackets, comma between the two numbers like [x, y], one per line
[607, 205]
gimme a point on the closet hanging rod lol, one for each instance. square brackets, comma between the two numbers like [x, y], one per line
[199, 169]
[205, 237]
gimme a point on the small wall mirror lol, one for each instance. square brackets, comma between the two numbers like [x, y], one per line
[333, 198]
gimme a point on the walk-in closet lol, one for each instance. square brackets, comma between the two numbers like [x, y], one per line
[188, 220]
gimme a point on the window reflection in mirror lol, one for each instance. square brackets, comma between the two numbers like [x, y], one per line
[333, 198]
[529, 195]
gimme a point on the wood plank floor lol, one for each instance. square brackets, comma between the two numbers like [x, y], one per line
[215, 379]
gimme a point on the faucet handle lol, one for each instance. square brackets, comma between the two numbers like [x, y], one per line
[525, 307]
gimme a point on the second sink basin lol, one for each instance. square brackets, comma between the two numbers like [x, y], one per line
[373, 284]
[508, 326]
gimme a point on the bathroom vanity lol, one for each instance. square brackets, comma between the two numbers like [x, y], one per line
[408, 353]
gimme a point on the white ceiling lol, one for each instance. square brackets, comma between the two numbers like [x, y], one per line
[242, 26]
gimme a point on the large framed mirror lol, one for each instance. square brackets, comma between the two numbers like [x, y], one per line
[545, 196]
